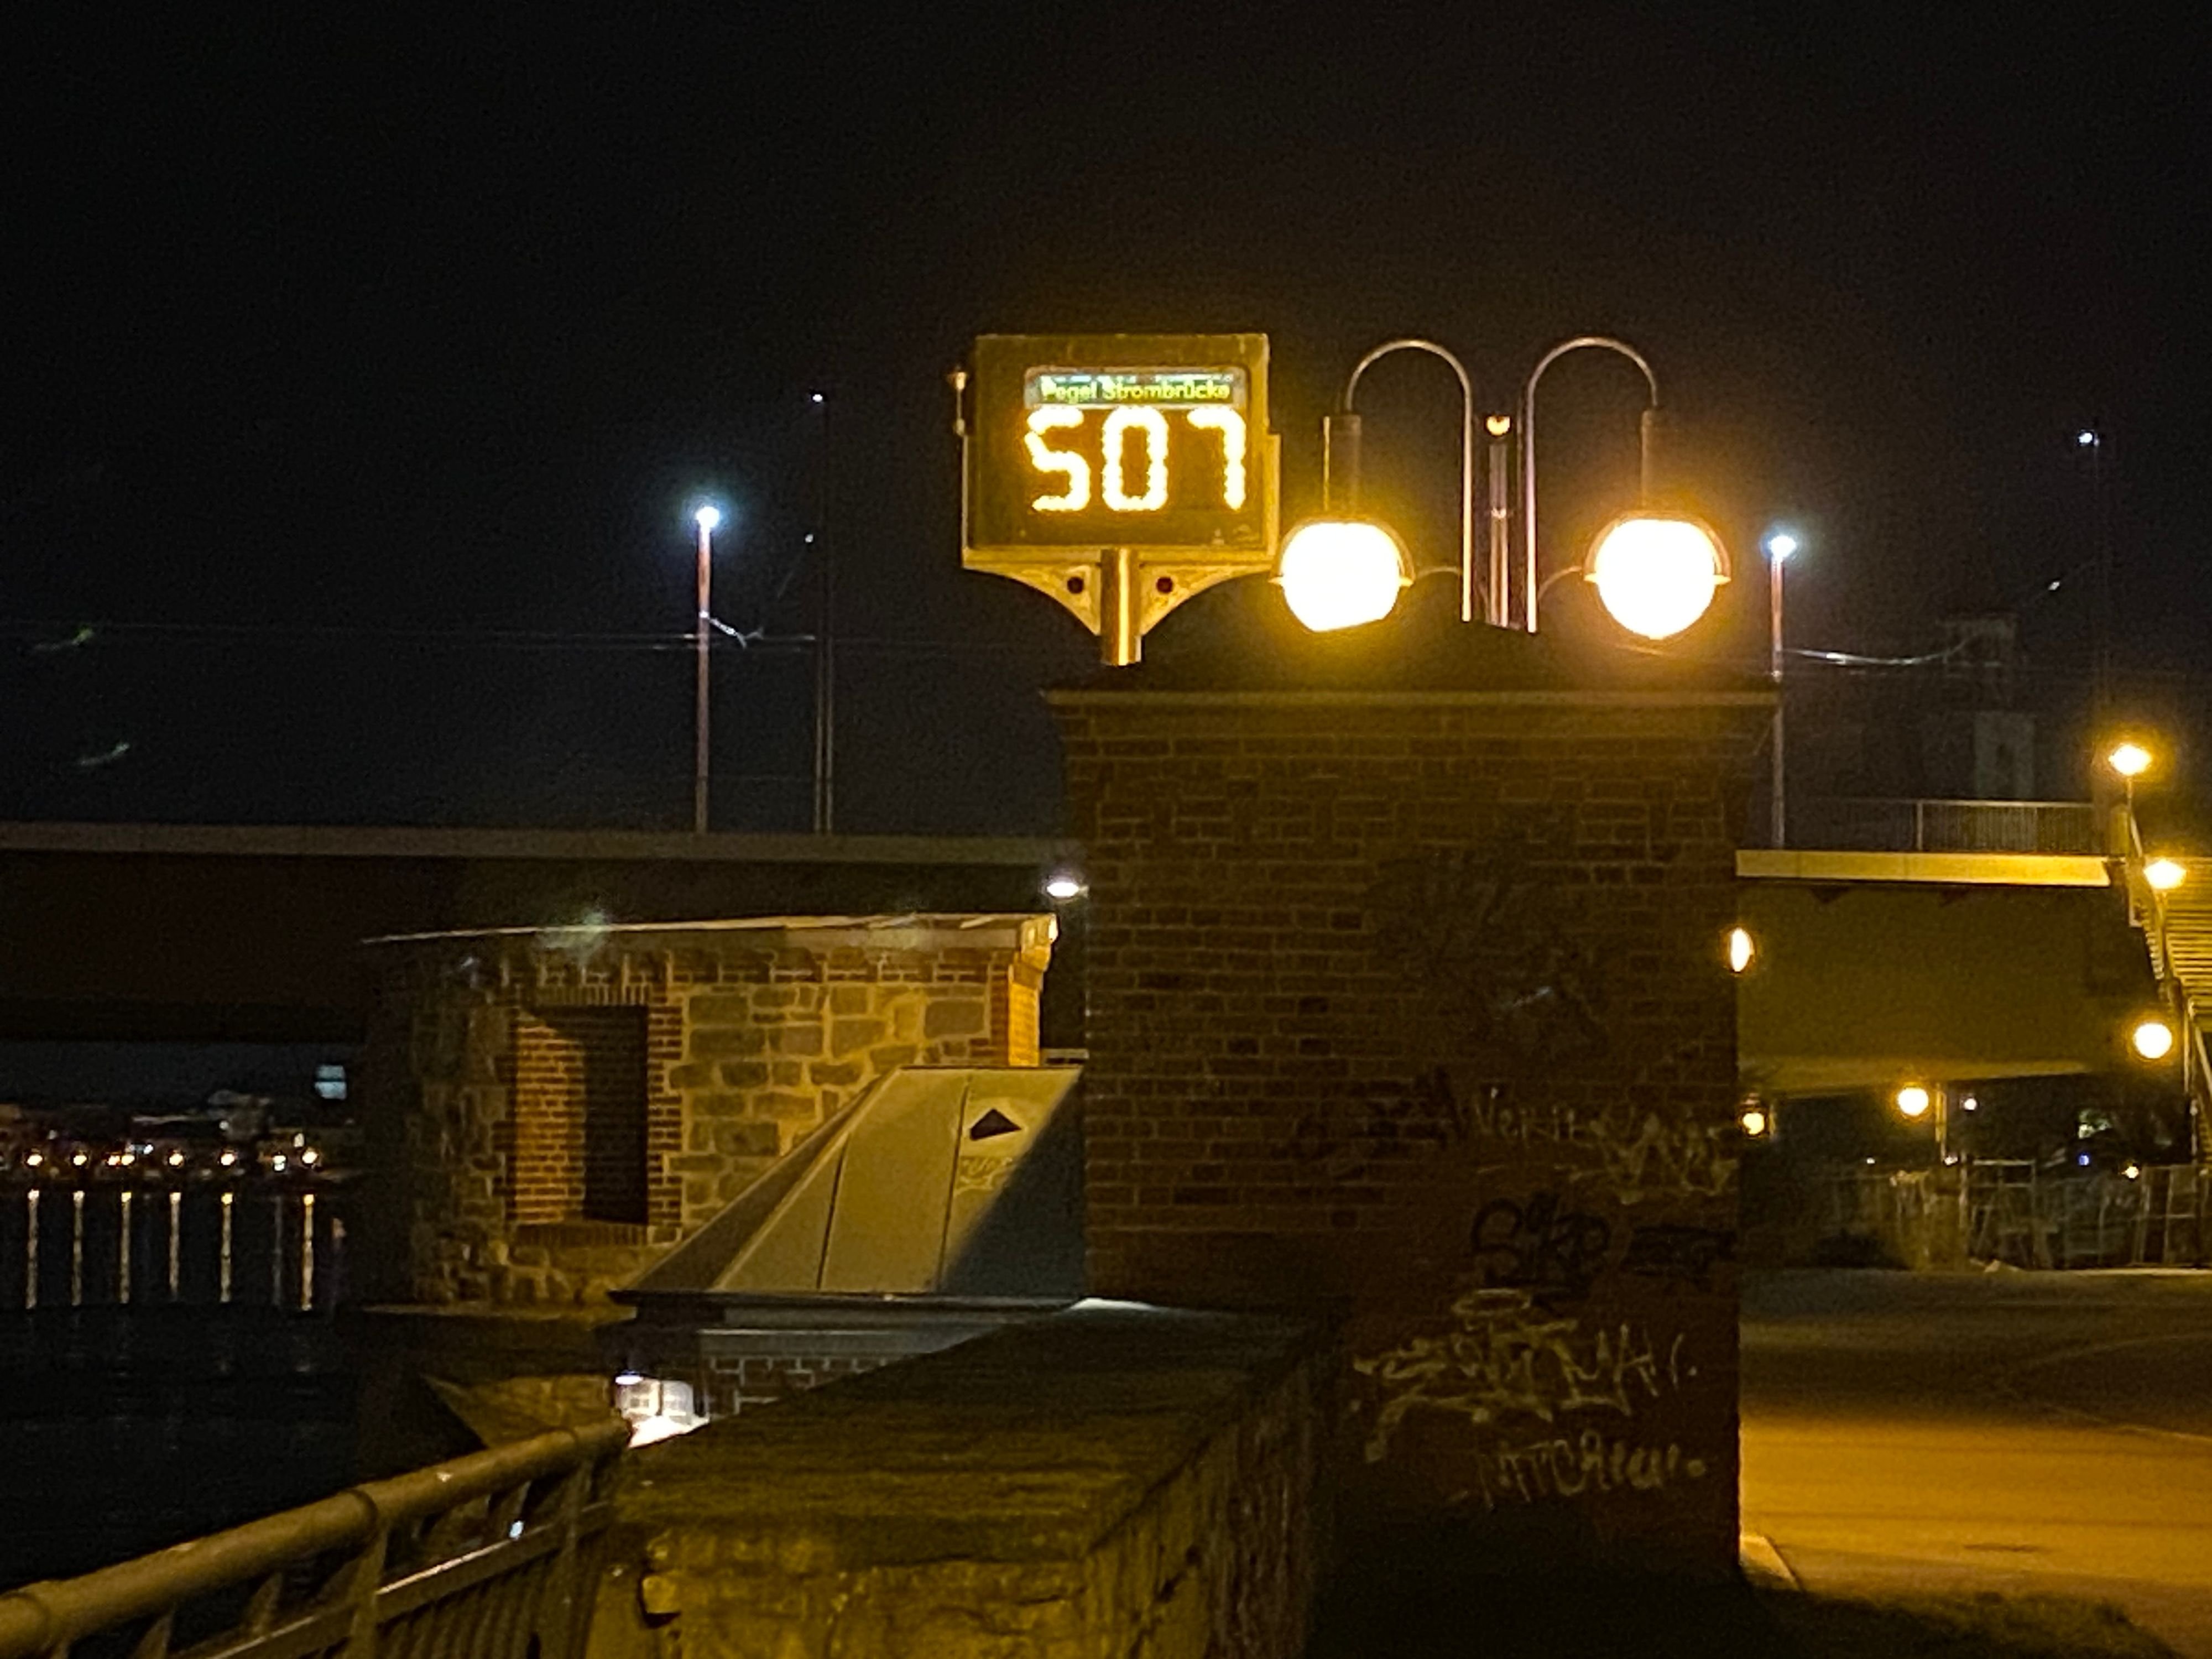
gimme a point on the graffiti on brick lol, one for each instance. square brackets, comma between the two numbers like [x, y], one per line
[1526, 1471]
[1632, 1155]
[1347, 1134]
[1678, 1257]
[1497, 944]
[1541, 1247]
[1506, 1357]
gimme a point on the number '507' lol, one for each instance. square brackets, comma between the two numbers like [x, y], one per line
[1125, 429]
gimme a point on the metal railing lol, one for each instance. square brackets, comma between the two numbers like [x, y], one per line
[491, 1556]
[1880, 825]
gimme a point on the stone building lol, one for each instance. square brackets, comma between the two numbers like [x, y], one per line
[553, 1110]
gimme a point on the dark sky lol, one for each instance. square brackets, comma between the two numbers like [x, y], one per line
[363, 362]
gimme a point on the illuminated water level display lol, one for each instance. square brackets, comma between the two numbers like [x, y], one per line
[1120, 440]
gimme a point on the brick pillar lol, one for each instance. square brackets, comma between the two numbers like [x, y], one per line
[1415, 1005]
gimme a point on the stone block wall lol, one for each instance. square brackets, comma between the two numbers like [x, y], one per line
[550, 1111]
[1415, 1005]
[1089, 1485]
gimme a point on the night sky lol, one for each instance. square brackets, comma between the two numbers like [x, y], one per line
[364, 363]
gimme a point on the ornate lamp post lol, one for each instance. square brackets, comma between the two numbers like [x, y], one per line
[1655, 571]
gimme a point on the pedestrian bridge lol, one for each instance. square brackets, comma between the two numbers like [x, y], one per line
[1876, 966]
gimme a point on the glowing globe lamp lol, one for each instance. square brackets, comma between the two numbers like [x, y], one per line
[1656, 572]
[2152, 1039]
[1341, 573]
[1912, 1100]
[2165, 874]
[2130, 760]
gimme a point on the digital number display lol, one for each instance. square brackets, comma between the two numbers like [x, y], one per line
[1120, 440]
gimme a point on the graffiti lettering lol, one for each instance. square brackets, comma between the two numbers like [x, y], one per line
[1678, 1256]
[1550, 1252]
[1506, 1357]
[1590, 1462]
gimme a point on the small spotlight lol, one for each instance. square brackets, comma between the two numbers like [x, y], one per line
[278, 1163]
[311, 1156]
[78, 1160]
[1063, 885]
[2152, 1039]
[2087, 438]
[2083, 1160]
[1741, 949]
[2133, 1172]
[35, 1160]
[227, 1159]
[176, 1160]
[1497, 425]
[1753, 1121]
[1912, 1100]
[1970, 1104]
[813, 397]
[2165, 874]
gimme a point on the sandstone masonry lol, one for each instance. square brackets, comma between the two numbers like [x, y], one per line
[553, 1110]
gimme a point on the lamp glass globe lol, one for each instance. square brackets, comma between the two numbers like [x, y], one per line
[1341, 573]
[1655, 573]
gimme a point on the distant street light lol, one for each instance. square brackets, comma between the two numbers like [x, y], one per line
[2164, 875]
[2152, 1039]
[1741, 949]
[1655, 571]
[1063, 885]
[2130, 760]
[706, 517]
[1780, 545]
[1912, 1100]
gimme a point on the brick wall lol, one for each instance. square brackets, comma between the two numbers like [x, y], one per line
[550, 1113]
[1416, 1004]
[580, 1118]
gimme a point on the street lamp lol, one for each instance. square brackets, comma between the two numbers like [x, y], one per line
[2152, 1038]
[2164, 875]
[1342, 570]
[1780, 545]
[706, 517]
[1655, 571]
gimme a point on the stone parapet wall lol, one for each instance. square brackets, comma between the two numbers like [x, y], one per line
[532, 1146]
[1089, 1485]
[1417, 1005]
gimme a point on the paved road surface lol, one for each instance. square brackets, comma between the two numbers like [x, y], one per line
[2010, 1431]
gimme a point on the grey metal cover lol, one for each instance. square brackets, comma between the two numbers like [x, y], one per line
[954, 1181]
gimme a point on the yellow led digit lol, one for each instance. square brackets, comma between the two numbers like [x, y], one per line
[1114, 440]
[1231, 425]
[1045, 458]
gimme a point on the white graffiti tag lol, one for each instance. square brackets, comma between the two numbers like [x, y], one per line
[1590, 1462]
[1506, 1357]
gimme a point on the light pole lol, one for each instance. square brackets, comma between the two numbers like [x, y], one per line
[1779, 546]
[706, 518]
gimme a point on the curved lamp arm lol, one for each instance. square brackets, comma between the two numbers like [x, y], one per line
[1496, 602]
[1528, 449]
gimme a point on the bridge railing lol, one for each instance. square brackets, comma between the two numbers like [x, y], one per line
[492, 1556]
[1914, 824]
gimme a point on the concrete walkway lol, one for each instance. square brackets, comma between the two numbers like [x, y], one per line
[2046, 1433]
